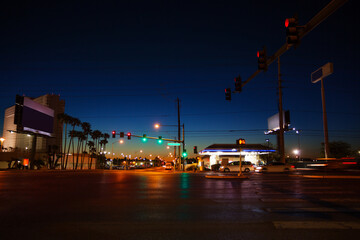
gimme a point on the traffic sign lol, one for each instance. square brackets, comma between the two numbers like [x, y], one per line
[173, 144]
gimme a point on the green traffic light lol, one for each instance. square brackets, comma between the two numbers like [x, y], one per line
[184, 154]
[160, 141]
[144, 139]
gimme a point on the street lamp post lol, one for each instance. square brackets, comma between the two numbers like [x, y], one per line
[158, 125]
[1, 145]
[112, 150]
[298, 133]
[297, 153]
[268, 145]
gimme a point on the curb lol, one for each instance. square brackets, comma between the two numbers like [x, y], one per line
[227, 177]
[333, 177]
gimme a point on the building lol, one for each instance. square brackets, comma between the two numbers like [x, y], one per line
[17, 141]
[225, 153]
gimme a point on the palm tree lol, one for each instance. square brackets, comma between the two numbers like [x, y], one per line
[73, 122]
[96, 135]
[103, 143]
[64, 119]
[92, 150]
[81, 138]
[86, 127]
[106, 137]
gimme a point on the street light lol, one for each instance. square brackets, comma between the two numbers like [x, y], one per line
[296, 152]
[157, 126]
[1, 145]
[112, 145]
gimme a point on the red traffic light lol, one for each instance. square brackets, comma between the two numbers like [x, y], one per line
[258, 54]
[129, 133]
[287, 22]
[113, 132]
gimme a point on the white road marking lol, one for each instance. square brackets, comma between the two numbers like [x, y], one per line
[316, 225]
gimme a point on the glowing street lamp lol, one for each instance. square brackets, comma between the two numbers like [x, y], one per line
[1, 140]
[296, 152]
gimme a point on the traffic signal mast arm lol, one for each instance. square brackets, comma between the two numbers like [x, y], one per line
[164, 139]
[316, 20]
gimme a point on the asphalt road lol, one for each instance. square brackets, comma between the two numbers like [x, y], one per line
[155, 204]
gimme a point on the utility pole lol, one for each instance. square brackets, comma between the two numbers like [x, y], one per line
[281, 119]
[179, 134]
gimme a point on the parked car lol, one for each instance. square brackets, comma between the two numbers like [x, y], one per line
[190, 167]
[215, 167]
[275, 167]
[118, 167]
[234, 167]
[169, 166]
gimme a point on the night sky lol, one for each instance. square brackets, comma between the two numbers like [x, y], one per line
[121, 66]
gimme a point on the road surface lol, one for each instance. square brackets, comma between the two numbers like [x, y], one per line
[159, 204]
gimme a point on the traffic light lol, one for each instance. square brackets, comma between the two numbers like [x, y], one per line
[240, 141]
[262, 59]
[144, 138]
[292, 33]
[184, 154]
[160, 141]
[195, 150]
[228, 94]
[238, 84]
[113, 134]
[129, 135]
[122, 134]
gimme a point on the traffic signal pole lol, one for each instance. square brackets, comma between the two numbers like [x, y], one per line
[316, 20]
[281, 143]
[302, 31]
[179, 136]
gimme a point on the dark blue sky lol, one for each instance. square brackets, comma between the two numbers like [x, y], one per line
[121, 65]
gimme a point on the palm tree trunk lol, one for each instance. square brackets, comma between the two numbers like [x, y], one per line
[68, 151]
[82, 155]
[73, 153]
[63, 153]
[78, 153]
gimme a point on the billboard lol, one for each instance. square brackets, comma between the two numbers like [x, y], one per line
[322, 72]
[34, 117]
[273, 121]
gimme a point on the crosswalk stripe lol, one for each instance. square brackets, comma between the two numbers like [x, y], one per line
[316, 225]
[311, 210]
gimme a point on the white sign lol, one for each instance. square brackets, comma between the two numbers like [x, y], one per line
[322, 72]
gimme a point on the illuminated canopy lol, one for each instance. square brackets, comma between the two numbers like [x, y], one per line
[233, 149]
